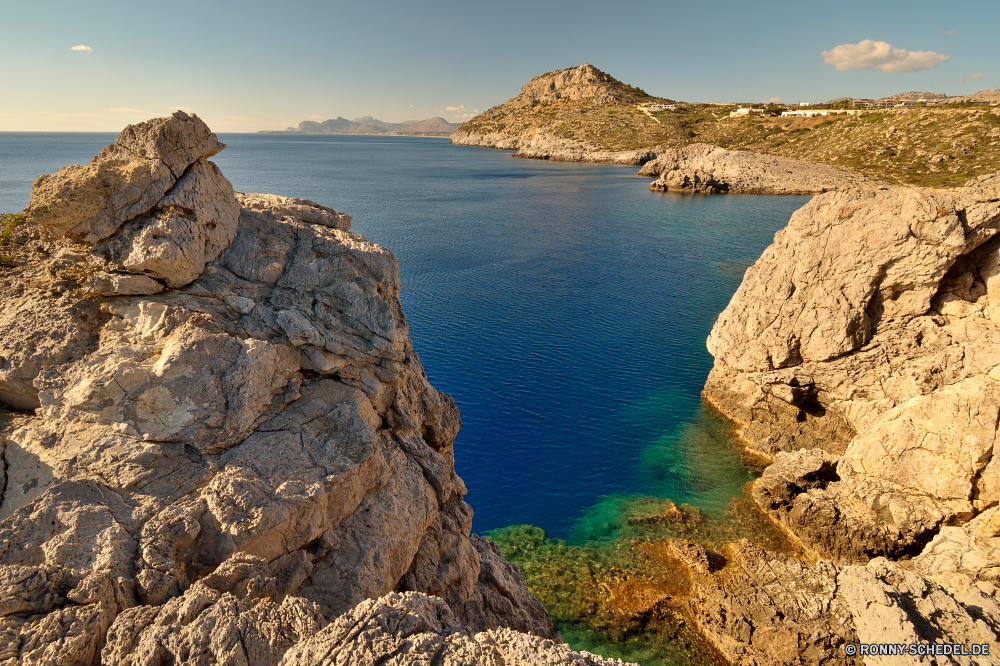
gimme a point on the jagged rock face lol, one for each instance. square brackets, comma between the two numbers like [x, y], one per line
[412, 628]
[127, 179]
[243, 403]
[708, 169]
[867, 329]
[891, 605]
[582, 82]
[775, 610]
[150, 203]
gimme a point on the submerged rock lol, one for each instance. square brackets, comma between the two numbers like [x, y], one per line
[233, 441]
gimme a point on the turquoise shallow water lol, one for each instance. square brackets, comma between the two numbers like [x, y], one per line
[565, 306]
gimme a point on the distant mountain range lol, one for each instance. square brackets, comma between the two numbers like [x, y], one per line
[369, 125]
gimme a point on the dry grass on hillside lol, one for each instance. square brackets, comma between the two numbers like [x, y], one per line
[926, 146]
[920, 146]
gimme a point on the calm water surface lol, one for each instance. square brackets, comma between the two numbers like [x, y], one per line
[565, 306]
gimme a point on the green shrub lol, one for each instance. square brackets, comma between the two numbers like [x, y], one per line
[9, 222]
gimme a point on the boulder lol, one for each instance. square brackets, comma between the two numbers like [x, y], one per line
[121, 284]
[89, 203]
[188, 227]
[971, 551]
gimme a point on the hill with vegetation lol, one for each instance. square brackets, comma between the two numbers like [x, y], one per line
[584, 114]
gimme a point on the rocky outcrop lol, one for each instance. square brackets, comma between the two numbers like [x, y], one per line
[709, 169]
[583, 82]
[866, 329]
[232, 441]
[773, 610]
[517, 125]
[543, 146]
[891, 605]
[413, 628]
[859, 357]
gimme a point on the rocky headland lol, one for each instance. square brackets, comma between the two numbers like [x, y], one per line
[582, 114]
[860, 359]
[530, 123]
[709, 169]
[218, 443]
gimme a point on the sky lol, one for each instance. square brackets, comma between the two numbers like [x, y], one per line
[254, 65]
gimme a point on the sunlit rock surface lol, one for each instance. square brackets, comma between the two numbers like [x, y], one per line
[232, 442]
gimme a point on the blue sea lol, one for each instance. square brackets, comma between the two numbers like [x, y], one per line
[563, 305]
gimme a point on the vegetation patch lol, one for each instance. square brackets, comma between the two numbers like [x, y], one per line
[943, 146]
[8, 223]
[626, 595]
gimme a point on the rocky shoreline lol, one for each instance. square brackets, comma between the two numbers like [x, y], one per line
[708, 169]
[859, 355]
[540, 146]
[696, 168]
[219, 445]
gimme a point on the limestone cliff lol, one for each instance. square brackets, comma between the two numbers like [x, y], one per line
[219, 437]
[860, 355]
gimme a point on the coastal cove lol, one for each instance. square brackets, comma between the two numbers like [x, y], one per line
[563, 305]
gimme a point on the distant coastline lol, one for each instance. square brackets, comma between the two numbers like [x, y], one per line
[368, 126]
[425, 136]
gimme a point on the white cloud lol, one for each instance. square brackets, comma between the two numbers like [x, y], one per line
[970, 77]
[82, 47]
[881, 55]
[131, 112]
[950, 32]
[773, 100]
[178, 108]
[455, 108]
[475, 112]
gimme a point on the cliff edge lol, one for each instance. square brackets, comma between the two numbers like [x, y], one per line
[860, 357]
[218, 442]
